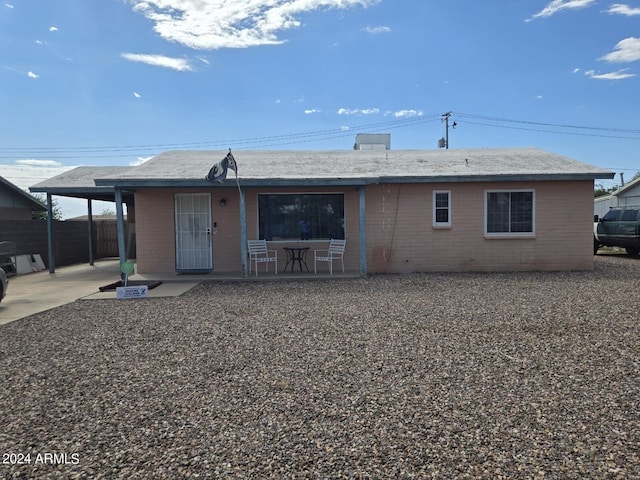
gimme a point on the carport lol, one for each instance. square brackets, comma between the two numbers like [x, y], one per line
[79, 183]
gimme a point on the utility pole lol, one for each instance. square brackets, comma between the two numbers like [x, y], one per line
[444, 142]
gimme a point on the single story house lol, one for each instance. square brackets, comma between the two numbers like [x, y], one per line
[628, 194]
[399, 210]
[16, 204]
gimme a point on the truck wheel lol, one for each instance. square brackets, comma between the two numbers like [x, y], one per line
[596, 246]
[632, 251]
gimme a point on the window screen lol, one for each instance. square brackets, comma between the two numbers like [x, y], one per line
[509, 212]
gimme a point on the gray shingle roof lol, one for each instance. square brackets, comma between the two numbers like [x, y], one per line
[80, 182]
[79, 177]
[276, 167]
[361, 164]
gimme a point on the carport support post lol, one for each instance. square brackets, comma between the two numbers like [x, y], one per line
[122, 248]
[90, 228]
[363, 233]
[50, 235]
[243, 234]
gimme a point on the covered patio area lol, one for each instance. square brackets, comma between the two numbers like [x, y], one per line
[79, 183]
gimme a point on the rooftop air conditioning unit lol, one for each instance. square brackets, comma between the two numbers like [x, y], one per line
[373, 141]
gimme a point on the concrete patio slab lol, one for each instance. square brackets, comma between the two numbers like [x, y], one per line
[37, 292]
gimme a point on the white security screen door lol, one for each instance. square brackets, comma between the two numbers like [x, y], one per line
[193, 232]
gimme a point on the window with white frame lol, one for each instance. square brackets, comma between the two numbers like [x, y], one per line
[510, 212]
[441, 208]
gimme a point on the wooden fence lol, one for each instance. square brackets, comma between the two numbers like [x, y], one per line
[105, 239]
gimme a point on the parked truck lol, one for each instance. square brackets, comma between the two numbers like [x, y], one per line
[620, 227]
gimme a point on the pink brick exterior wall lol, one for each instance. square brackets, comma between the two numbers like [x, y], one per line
[401, 236]
[155, 227]
[155, 234]
[399, 232]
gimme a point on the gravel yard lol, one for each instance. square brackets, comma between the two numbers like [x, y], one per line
[492, 375]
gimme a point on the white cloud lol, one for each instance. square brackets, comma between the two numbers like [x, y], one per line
[180, 64]
[312, 110]
[30, 74]
[408, 113]
[230, 24]
[625, 51]
[39, 163]
[345, 128]
[576, 70]
[53, 29]
[619, 75]
[559, 5]
[376, 30]
[356, 111]
[136, 94]
[8, 5]
[622, 9]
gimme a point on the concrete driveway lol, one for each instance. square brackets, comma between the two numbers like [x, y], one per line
[36, 292]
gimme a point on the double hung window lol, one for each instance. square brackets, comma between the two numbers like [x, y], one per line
[441, 208]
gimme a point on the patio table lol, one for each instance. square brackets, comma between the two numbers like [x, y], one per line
[296, 255]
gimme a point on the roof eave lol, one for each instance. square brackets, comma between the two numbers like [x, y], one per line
[105, 193]
[338, 181]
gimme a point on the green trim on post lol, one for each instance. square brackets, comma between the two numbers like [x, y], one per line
[363, 232]
[50, 235]
[243, 234]
[90, 231]
[122, 246]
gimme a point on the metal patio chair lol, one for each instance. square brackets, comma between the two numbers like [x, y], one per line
[334, 252]
[258, 253]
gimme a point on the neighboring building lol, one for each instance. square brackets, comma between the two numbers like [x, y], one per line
[373, 141]
[16, 204]
[400, 211]
[628, 194]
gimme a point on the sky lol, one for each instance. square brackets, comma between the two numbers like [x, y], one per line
[114, 82]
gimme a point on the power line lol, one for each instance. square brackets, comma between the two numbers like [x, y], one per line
[240, 143]
[555, 132]
[552, 125]
[481, 117]
[115, 151]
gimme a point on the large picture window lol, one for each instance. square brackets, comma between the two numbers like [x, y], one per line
[301, 216]
[510, 212]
